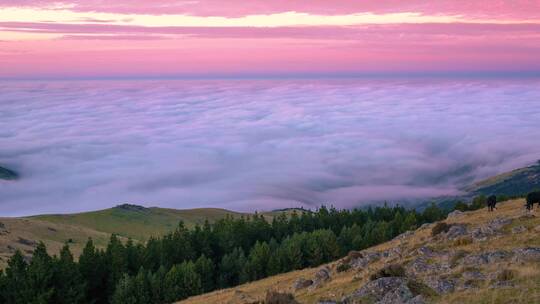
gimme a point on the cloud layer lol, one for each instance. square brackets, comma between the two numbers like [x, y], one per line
[258, 144]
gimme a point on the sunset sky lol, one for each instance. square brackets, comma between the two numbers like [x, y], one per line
[214, 38]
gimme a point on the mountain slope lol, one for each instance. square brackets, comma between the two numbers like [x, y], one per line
[483, 258]
[513, 183]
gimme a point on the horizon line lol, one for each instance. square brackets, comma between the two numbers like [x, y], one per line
[277, 76]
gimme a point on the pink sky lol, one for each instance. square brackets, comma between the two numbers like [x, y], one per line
[136, 38]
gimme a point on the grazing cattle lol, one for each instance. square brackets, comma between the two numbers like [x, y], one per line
[533, 198]
[491, 202]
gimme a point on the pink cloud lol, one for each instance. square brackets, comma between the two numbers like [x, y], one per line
[482, 8]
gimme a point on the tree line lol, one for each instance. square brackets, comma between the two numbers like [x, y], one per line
[187, 262]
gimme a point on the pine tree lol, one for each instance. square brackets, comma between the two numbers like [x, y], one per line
[15, 289]
[39, 279]
[69, 284]
[205, 268]
[231, 269]
[181, 282]
[124, 292]
[410, 222]
[94, 272]
[257, 263]
[157, 285]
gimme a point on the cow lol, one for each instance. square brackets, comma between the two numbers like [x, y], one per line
[491, 202]
[533, 198]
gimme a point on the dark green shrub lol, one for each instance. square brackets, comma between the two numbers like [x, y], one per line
[392, 270]
[274, 297]
[343, 267]
[440, 228]
[506, 275]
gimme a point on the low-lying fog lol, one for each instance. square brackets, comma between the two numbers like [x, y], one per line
[257, 144]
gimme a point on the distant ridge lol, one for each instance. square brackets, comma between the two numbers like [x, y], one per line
[514, 183]
[8, 174]
[131, 207]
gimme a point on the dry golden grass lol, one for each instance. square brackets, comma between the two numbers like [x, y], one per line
[19, 233]
[526, 283]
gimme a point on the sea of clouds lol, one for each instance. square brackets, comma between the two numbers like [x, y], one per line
[258, 144]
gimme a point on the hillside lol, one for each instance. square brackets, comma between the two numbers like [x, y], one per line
[137, 222]
[7, 174]
[24, 233]
[127, 221]
[513, 183]
[482, 258]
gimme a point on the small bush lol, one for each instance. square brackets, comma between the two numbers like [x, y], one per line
[354, 255]
[440, 228]
[343, 267]
[419, 288]
[463, 241]
[393, 270]
[458, 256]
[274, 297]
[506, 275]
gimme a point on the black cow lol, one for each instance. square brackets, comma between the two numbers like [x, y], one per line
[533, 198]
[491, 202]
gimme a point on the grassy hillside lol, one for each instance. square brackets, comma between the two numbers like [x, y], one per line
[137, 222]
[127, 221]
[513, 183]
[502, 279]
[8, 174]
[23, 234]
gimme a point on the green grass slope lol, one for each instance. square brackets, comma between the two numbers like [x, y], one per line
[513, 183]
[137, 222]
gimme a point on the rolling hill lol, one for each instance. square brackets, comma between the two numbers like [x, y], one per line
[482, 257]
[137, 222]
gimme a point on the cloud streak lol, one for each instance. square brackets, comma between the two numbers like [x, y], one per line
[257, 144]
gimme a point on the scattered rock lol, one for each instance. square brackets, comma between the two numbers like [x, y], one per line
[378, 289]
[486, 258]
[537, 228]
[321, 276]
[405, 235]
[426, 226]
[302, 283]
[52, 229]
[473, 275]
[519, 229]
[392, 253]
[442, 286]
[421, 266]
[455, 213]
[425, 251]
[530, 254]
[366, 259]
[26, 242]
[131, 207]
[456, 231]
[498, 223]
